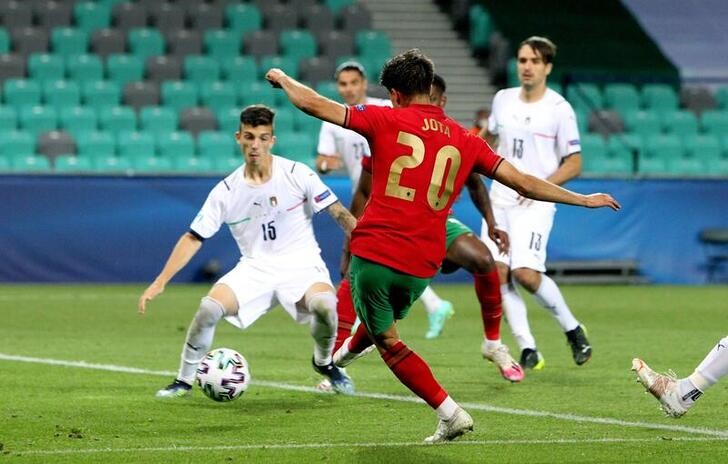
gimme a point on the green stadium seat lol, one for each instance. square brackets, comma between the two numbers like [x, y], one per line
[585, 97]
[95, 145]
[192, 164]
[217, 95]
[111, 3]
[21, 92]
[158, 120]
[714, 122]
[296, 146]
[179, 95]
[619, 161]
[4, 164]
[77, 119]
[593, 150]
[117, 119]
[288, 65]
[38, 119]
[226, 165]
[122, 69]
[373, 44]
[687, 165]
[679, 122]
[512, 74]
[59, 94]
[706, 147]
[658, 153]
[306, 124]
[328, 89]
[111, 164]
[243, 18]
[556, 88]
[8, 119]
[145, 42]
[151, 164]
[721, 96]
[67, 41]
[257, 93]
[213, 144]
[659, 97]
[30, 164]
[336, 5]
[582, 120]
[222, 44]
[297, 44]
[101, 94]
[239, 70]
[481, 27]
[4, 41]
[84, 68]
[285, 120]
[628, 146]
[200, 69]
[621, 97]
[72, 164]
[644, 123]
[175, 144]
[17, 144]
[135, 144]
[90, 16]
[43, 67]
[228, 120]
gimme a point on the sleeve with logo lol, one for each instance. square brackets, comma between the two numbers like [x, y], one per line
[367, 119]
[212, 214]
[567, 134]
[317, 193]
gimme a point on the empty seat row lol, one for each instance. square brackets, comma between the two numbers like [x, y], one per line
[650, 122]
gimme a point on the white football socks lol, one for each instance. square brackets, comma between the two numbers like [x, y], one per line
[323, 326]
[430, 299]
[517, 317]
[199, 338]
[549, 296]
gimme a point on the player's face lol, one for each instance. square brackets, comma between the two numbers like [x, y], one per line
[352, 87]
[255, 142]
[532, 70]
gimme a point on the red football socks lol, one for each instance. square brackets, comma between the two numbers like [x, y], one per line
[487, 289]
[414, 373]
[345, 312]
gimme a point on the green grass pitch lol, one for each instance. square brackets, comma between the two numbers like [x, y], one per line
[594, 413]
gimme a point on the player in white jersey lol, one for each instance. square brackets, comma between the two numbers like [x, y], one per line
[536, 131]
[343, 148]
[267, 203]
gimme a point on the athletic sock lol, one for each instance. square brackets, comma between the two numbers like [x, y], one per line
[447, 408]
[415, 374]
[430, 300]
[712, 368]
[360, 341]
[199, 338]
[517, 317]
[549, 296]
[487, 289]
[322, 307]
[345, 312]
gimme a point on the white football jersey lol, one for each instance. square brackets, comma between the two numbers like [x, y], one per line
[269, 221]
[350, 146]
[534, 137]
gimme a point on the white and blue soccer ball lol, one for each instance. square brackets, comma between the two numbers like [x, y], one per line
[223, 374]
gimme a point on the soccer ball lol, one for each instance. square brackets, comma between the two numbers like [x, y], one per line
[223, 374]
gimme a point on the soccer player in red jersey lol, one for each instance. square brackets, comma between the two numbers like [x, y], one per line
[420, 162]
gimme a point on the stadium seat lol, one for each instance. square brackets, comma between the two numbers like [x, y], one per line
[659, 152]
[17, 144]
[123, 69]
[659, 97]
[77, 119]
[200, 69]
[117, 119]
[481, 27]
[228, 120]
[89, 16]
[179, 95]
[605, 122]
[335, 43]
[29, 40]
[239, 70]
[714, 122]
[296, 146]
[697, 99]
[280, 18]
[287, 64]
[44, 67]
[150, 164]
[12, 66]
[217, 95]
[721, 96]
[213, 144]
[72, 164]
[126, 16]
[354, 18]
[52, 14]
[261, 43]
[183, 42]
[679, 122]
[163, 68]
[328, 89]
[706, 147]
[145, 42]
[226, 165]
[621, 97]
[297, 44]
[584, 97]
[105, 42]
[257, 93]
[318, 18]
[30, 164]
[593, 150]
[55, 143]
[101, 94]
[60, 94]
[4, 164]
[141, 94]
[642, 123]
[16, 14]
[21, 92]
[628, 148]
[84, 68]
[222, 44]
[158, 120]
[175, 144]
[556, 88]
[110, 164]
[135, 144]
[373, 44]
[336, 5]
[68, 41]
[192, 165]
[306, 124]
[196, 120]
[203, 16]
[243, 18]
[8, 119]
[284, 119]
[95, 145]
[166, 17]
[38, 119]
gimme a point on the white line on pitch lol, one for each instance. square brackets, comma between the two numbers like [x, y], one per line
[389, 397]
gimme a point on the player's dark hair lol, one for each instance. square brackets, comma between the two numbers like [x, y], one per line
[257, 115]
[350, 66]
[439, 83]
[542, 46]
[410, 73]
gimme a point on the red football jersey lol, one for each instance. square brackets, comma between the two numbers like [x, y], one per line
[420, 162]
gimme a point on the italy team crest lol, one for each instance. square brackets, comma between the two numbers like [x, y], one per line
[273, 201]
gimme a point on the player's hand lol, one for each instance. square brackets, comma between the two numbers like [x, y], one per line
[275, 76]
[500, 237]
[601, 200]
[149, 294]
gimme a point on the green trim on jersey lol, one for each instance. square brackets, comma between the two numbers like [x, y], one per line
[381, 294]
[453, 230]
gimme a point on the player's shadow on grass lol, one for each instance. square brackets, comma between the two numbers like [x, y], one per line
[432, 454]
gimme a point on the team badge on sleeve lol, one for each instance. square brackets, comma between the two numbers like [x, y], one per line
[360, 107]
[322, 196]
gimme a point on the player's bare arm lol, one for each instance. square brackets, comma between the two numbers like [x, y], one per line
[186, 247]
[539, 189]
[306, 99]
[342, 216]
[569, 169]
[361, 194]
[481, 200]
[326, 163]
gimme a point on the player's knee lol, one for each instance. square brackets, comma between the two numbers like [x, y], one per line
[322, 304]
[210, 312]
[483, 263]
[528, 278]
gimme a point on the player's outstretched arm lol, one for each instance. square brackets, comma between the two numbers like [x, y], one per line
[342, 216]
[481, 200]
[539, 189]
[186, 247]
[306, 99]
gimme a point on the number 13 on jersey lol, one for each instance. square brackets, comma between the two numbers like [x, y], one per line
[441, 187]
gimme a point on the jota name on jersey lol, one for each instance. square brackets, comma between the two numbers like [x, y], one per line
[430, 124]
